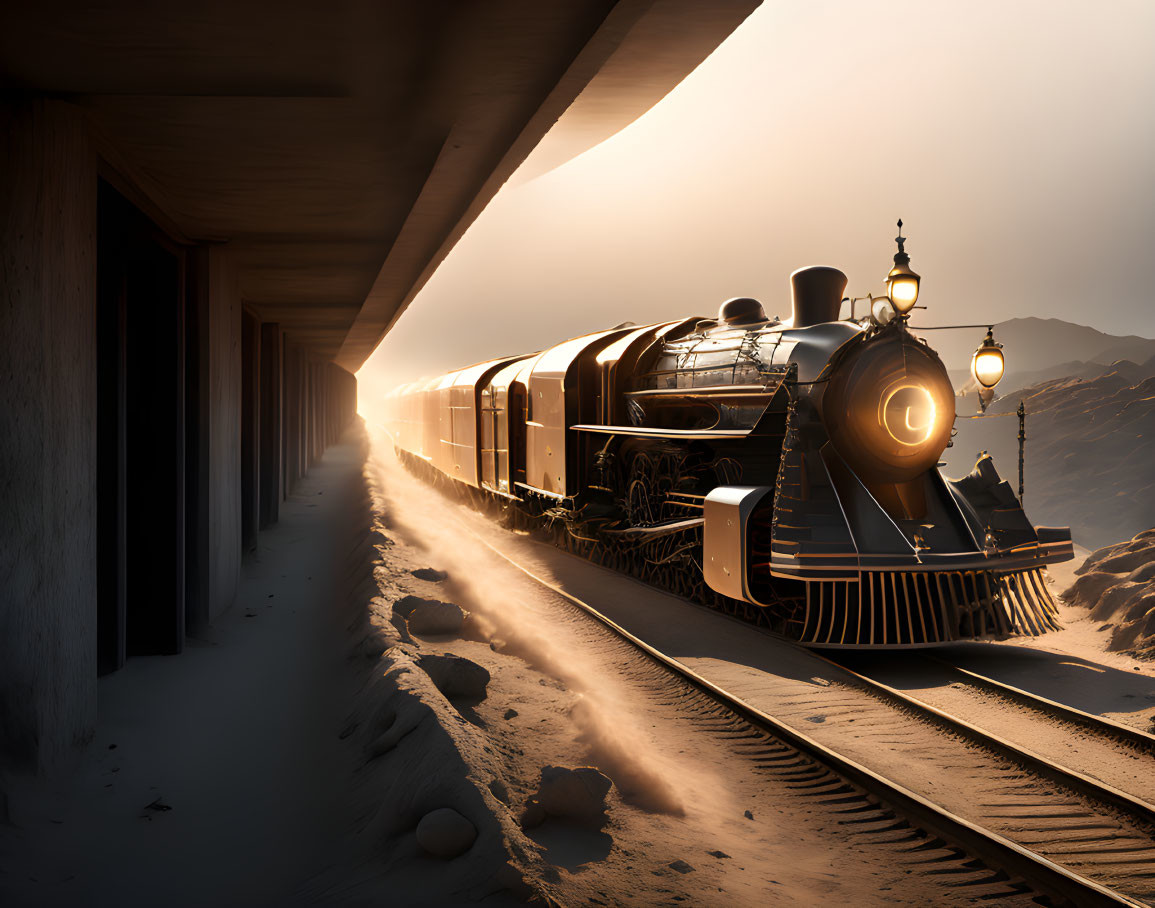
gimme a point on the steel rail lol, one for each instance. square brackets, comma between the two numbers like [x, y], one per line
[1135, 737]
[1134, 807]
[993, 848]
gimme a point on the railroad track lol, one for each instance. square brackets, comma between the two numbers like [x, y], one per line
[1051, 877]
[1084, 752]
[1141, 741]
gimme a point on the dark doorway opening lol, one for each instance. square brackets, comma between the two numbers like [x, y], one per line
[140, 435]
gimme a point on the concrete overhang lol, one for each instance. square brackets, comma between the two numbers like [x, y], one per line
[340, 149]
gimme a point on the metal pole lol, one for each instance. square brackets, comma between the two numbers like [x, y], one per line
[1022, 440]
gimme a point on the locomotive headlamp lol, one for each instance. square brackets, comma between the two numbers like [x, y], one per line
[909, 414]
[902, 283]
[987, 363]
[889, 407]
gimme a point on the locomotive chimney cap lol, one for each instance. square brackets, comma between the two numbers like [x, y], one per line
[817, 292]
[741, 310]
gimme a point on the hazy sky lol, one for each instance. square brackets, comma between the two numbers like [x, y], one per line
[1016, 139]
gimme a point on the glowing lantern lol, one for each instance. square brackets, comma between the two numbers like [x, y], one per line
[987, 364]
[901, 282]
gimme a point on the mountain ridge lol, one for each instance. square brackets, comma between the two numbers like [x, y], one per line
[1036, 345]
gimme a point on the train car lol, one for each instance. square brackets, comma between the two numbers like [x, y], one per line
[784, 471]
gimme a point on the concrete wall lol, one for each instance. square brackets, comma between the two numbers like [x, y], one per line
[224, 432]
[47, 432]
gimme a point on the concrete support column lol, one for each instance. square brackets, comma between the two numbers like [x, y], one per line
[48, 567]
[291, 457]
[250, 429]
[214, 548]
[272, 488]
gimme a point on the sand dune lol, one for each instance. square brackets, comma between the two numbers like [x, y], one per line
[1117, 584]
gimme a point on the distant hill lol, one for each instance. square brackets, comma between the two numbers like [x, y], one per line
[1036, 345]
[964, 381]
[1090, 452]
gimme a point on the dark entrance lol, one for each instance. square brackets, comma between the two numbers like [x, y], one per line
[140, 435]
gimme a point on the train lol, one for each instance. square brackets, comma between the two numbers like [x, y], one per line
[785, 471]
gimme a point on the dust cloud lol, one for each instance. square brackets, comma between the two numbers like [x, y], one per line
[609, 718]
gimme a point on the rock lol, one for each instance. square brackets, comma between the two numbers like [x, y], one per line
[681, 866]
[533, 814]
[445, 833]
[718, 854]
[510, 713]
[455, 676]
[434, 576]
[433, 617]
[576, 793]
[748, 815]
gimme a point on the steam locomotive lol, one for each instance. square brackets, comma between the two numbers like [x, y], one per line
[783, 471]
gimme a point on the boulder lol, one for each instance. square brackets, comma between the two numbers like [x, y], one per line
[433, 617]
[445, 833]
[455, 676]
[430, 574]
[576, 793]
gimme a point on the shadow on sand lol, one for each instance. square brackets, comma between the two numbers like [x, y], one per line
[570, 846]
[1081, 683]
[1084, 684]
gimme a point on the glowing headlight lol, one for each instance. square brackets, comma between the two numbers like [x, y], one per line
[909, 414]
[888, 407]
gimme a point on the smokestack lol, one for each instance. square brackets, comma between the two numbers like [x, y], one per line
[817, 293]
